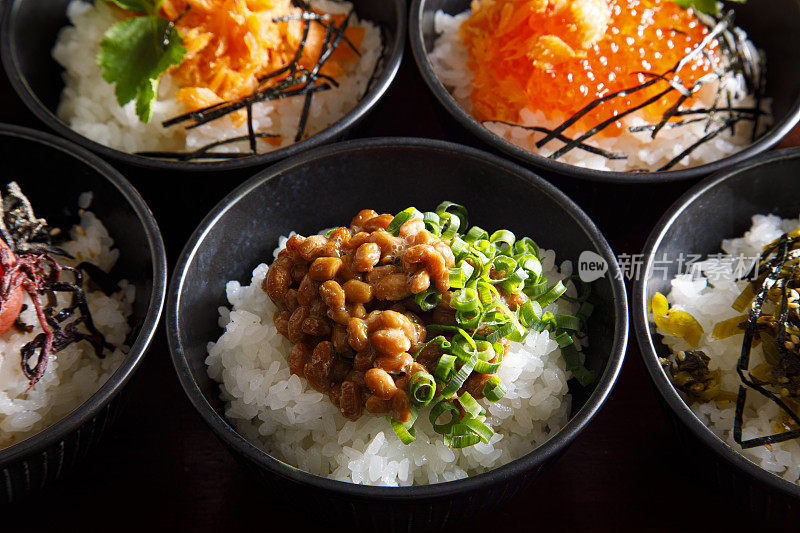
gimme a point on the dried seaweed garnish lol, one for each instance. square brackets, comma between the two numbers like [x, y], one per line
[564, 138]
[299, 81]
[738, 60]
[27, 264]
[779, 262]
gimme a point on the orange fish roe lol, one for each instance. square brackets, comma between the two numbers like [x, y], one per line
[557, 56]
[231, 43]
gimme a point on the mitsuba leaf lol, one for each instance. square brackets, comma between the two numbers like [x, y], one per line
[704, 6]
[134, 53]
[148, 7]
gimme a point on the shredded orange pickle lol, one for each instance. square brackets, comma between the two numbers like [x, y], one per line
[231, 43]
[557, 56]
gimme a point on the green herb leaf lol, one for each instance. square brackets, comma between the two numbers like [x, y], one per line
[138, 6]
[704, 6]
[134, 53]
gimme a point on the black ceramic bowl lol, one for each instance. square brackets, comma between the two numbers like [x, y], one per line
[329, 185]
[772, 26]
[53, 172]
[717, 208]
[29, 30]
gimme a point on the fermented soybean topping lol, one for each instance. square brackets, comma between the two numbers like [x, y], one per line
[344, 303]
[395, 313]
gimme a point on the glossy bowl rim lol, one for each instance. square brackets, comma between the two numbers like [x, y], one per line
[776, 132]
[641, 327]
[550, 449]
[70, 423]
[395, 48]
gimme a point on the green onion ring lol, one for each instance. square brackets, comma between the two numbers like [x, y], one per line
[503, 237]
[552, 294]
[455, 209]
[438, 410]
[471, 407]
[445, 367]
[494, 389]
[476, 234]
[401, 218]
[422, 389]
[459, 378]
[428, 299]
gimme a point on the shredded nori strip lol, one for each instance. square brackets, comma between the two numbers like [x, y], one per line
[299, 82]
[739, 60]
[775, 277]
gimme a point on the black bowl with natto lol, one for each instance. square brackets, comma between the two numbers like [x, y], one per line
[325, 188]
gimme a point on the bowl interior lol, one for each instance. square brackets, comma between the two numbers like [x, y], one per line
[718, 209]
[53, 179]
[387, 176]
[33, 27]
[772, 27]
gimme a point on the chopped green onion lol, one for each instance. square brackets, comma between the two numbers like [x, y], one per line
[526, 246]
[574, 365]
[405, 430]
[445, 367]
[470, 405]
[494, 389]
[531, 264]
[422, 389]
[454, 209]
[440, 408]
[552, 294]
[480, 429]
[503, 240]
[568, 322]
[534, 290]
[459, 378]
[432, 223]
[460, 274]
[476, 234]
[463, 439]
[401, 218]
[563, 339]
[444, 344]
[428, 299]
[465, 300]
[450, 225]
[515, 282]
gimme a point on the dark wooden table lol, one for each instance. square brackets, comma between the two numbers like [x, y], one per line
[160, 466]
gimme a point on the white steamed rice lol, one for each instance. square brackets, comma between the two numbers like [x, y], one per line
[89, 107]
[284, 416]
[707, 294]
[449, 61]
[74, 373]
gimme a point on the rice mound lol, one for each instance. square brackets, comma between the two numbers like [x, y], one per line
[707, 293]
[449, 61]
[89, 107]
[74, 373]
[284, 416]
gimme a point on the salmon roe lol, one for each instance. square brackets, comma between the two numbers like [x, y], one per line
[557, 56]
